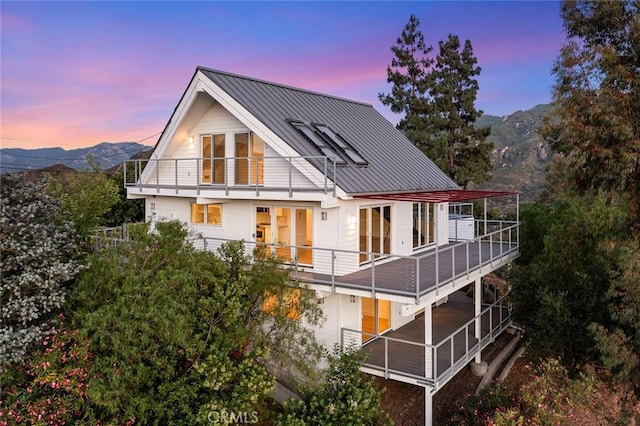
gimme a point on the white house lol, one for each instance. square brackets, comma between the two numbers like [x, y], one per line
[364, 218]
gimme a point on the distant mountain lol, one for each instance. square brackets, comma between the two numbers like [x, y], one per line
[105, 154]
[520, 155]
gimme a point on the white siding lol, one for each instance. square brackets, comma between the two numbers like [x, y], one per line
[340, 313]
[442, 212]
[403, 213]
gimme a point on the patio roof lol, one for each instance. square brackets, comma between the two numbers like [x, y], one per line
[452, 195]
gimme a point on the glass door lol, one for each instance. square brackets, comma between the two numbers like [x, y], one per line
[375, 232]
[376, 317]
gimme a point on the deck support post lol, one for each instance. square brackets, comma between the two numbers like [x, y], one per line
[477, 302]
[428, 407]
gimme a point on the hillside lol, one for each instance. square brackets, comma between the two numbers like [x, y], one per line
[105, 154]
[520, 155]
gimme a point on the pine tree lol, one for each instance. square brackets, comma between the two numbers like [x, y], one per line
[408, 72]
[437, 99]
[455, 145]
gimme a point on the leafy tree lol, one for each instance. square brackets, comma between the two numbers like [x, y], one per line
[178, 334]
[455, 145]
[344, 397]
[597, 94]
[124, 210]
[437, 99]
[563, 289]
[86, 196]
[37, 259]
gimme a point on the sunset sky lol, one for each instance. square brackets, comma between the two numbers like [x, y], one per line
[74, 74]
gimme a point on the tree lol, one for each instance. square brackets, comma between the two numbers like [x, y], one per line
[38, 249]
[344, 397]
[86, 196]
[455, 145]
[437, 98]
[179, 334]
[408, 72]
[597, 97]
[124, 210]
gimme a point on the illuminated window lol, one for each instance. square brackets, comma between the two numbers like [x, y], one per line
[210, 214]
[288, 305]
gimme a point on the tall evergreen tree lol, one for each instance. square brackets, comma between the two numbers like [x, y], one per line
[408, 72]
[437, 99]
[455, 145]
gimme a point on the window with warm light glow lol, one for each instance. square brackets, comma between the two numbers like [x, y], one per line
[287, 305]
[209, 214]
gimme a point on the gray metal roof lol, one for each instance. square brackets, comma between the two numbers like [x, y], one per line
[395, 164]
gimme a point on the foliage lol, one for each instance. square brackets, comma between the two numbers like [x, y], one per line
[408, 72]
[563, 289]
[437, 98]
[178, 333]
[596, 94]
[455, 145]
[345, 396]
[50, 387]
[37, 249]
[86, 197]
[124, 210]
[551, 397]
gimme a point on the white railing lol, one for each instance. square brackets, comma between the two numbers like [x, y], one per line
[447, 357]
[410, 276]
[291, 174]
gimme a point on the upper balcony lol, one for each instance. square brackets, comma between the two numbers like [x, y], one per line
[231, 175]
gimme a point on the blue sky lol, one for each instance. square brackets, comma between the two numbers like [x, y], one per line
[76, 74]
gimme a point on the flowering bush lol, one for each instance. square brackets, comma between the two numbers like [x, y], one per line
[50, 387]
[36, 262]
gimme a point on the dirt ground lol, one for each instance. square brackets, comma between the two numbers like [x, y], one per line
[405, 403]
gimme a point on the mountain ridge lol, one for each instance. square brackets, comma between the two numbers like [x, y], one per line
[105, 154]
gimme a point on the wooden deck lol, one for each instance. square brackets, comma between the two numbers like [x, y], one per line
[402, 351]
[421, 273]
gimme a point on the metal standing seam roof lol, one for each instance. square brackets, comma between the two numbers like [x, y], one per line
[394, 163]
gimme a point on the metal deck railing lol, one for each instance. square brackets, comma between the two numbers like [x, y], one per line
[290, 174]
[432, 364]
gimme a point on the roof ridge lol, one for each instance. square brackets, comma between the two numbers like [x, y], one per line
[284, 86]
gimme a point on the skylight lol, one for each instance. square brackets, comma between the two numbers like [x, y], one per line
[342, 144]
[318, 141]
[330, 143]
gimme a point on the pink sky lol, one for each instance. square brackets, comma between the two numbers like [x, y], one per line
[75, 74]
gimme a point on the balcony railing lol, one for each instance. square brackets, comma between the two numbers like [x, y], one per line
[411, 276]
[436, 363]
[290, 174]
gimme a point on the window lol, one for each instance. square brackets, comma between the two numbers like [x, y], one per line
[287, 305]
[209, 214]
[320, 142]
[342, 144]
[213, 159]
[423, 224]
[249, 159]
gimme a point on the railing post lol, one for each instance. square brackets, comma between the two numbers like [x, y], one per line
[437, 268]
[290, 177]
[453, 266]
[333, 271]
[198, 176]
[386, 358]
[373, 277]
[418, 280]
[176, 173]
[467, 248]
[226, 175]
